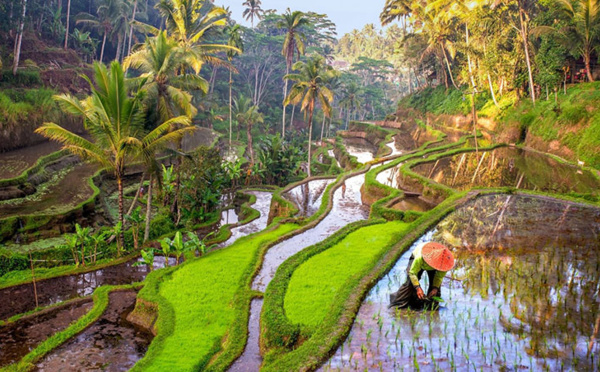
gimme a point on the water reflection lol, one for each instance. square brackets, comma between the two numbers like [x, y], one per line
[308, 196]
[509, 167]
[523, 296]
[362, 149]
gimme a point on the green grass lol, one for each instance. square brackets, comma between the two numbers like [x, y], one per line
[316, 282]
[202, 295]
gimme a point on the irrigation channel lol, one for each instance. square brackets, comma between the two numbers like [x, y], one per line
[523, 295]
[347, 208]
[112, 339]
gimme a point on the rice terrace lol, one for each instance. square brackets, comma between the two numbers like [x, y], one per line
[269, 185]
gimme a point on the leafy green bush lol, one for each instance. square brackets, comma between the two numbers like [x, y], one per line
[25, 78]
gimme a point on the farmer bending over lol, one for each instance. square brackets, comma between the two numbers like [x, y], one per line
[434, 258]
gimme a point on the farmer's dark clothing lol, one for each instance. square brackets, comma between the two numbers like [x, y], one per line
[406, 296]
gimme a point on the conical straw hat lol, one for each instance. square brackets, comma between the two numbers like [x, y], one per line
[438, 256]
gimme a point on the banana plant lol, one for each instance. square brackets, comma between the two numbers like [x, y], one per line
[97, 239]
[82, 236]
[178, 246]
[147, 259]
[195, 244]
[166, 245]
[71, 242]
[136, 219]
[168, 183]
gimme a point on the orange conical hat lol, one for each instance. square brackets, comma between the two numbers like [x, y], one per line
[438, 256]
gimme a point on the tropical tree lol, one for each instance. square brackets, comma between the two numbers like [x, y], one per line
[109, 12]
[253, 10]
[247, 114]
[234, 40]
[308, 89]
[584, 19]
[115, 121]
[190, 22]
[350, 99]
[293, 44]
[161, 60]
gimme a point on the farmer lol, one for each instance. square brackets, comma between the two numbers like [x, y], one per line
[434, 258]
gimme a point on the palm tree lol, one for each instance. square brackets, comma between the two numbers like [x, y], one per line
[584, 16]
[253, 10]
[235, 40]
[350, 99]
[310, 87]
[160, 60]
[247, 114]
[108, 12]
[188, 23]
[115, 122]
[293, 44]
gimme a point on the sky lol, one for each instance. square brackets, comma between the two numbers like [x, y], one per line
[346, 14]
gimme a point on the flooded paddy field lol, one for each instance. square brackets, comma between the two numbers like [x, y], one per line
[65, 190]
[111, 343]
[523, 295]
[507, 166]
[13, 163]
[17, 339]
[347, 208]
[20, 299]
[262, 205]
[308, 196]
[363, 150]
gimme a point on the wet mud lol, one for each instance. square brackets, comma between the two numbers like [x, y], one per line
[17, 339]
[523, 295]
[110, 344]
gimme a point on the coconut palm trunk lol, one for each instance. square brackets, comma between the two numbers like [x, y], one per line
[524, 34]
[131, 27]
[249, 135]
[323, 128]
[148, 210]
[67, 24]
[19, 39]
[103, 45]
[586, 60]
[285, 92]
[310, 119]
[121, 237]
[230, 107]
[449, 67]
